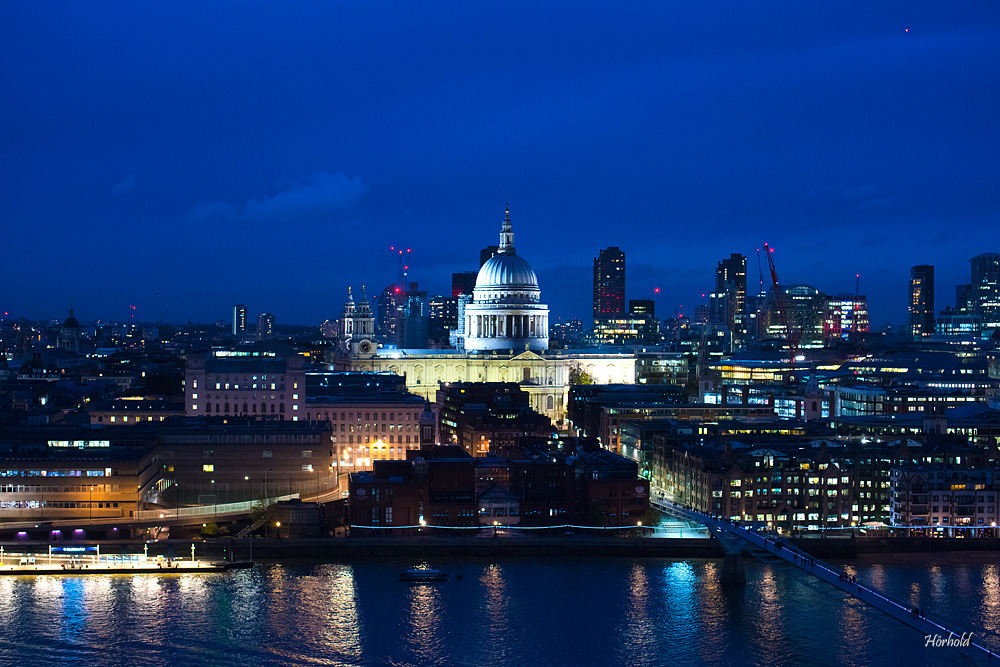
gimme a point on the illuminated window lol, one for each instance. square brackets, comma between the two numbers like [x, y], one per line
[208, 467]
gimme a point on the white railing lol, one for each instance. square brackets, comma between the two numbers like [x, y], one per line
[208, 510]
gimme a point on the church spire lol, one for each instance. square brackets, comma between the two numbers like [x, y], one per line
[506, 235]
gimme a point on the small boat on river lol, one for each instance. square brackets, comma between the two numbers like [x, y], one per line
[421, 575]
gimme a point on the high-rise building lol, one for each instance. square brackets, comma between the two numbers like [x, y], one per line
[464, 282]
[609, 283]
[265, 327]
[414, 324]
[846, 315]
[443, 319]
[388, 310]
[486, 254]
[642, 307]
[239, 320]
[805, 318]
[984, 298]
[728, 302]
[921, 301]
[962, 293]
[638, 327]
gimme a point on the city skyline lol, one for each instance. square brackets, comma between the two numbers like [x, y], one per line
[157, 160]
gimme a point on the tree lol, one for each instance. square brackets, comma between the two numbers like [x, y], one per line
[579, 376]
[212, 530]
[260, 510]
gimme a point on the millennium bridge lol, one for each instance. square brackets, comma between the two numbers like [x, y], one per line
[740, 539]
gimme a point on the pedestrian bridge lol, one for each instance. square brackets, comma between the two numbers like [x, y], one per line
[743, 538]
[162, 516]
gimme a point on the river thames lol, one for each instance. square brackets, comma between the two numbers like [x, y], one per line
[605, 611]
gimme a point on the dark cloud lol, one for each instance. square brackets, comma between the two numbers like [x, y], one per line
[124, 186]
[319, 197]
[675, 131]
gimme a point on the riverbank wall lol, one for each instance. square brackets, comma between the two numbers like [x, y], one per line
[427, 547]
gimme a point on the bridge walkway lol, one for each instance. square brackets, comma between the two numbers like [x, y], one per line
[781, 550]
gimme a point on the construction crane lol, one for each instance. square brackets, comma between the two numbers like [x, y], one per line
[792, 333]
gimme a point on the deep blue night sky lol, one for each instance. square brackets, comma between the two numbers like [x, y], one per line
[186, 156]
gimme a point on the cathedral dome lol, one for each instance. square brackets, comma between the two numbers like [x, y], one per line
[506, 270]
[505, 312]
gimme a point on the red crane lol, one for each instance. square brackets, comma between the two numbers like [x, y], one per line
[792, 335]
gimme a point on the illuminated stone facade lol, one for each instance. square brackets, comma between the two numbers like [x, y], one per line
[506, 336]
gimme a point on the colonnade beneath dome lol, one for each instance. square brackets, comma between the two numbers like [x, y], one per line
[507, 326]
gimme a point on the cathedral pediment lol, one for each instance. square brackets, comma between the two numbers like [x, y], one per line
[528, 355]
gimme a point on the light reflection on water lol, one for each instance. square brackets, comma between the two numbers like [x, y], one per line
[423, 634]
[990, 593]
[516, 612]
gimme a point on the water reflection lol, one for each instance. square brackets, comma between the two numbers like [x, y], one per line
[423, 632]
[854, 630]
[990, 591]
[534, 612]
[876, 576]
[715, 606]
[637, 627]
[341, 631]
[770, 606]
[914, 597]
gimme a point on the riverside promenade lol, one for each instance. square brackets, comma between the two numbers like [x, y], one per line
[478, 546]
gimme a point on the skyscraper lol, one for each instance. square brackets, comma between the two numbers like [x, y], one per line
[265, 326]
[388, 311]
[487, 253]
[609, 282]
[239, 320]
[414, 323]
[921, 301]
[984, 298]
[464, 282]
[728, 302]
[846, 316]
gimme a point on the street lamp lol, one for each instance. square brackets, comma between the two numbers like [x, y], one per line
[495, 525]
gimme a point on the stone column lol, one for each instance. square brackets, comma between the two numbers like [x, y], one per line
[733, 572]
